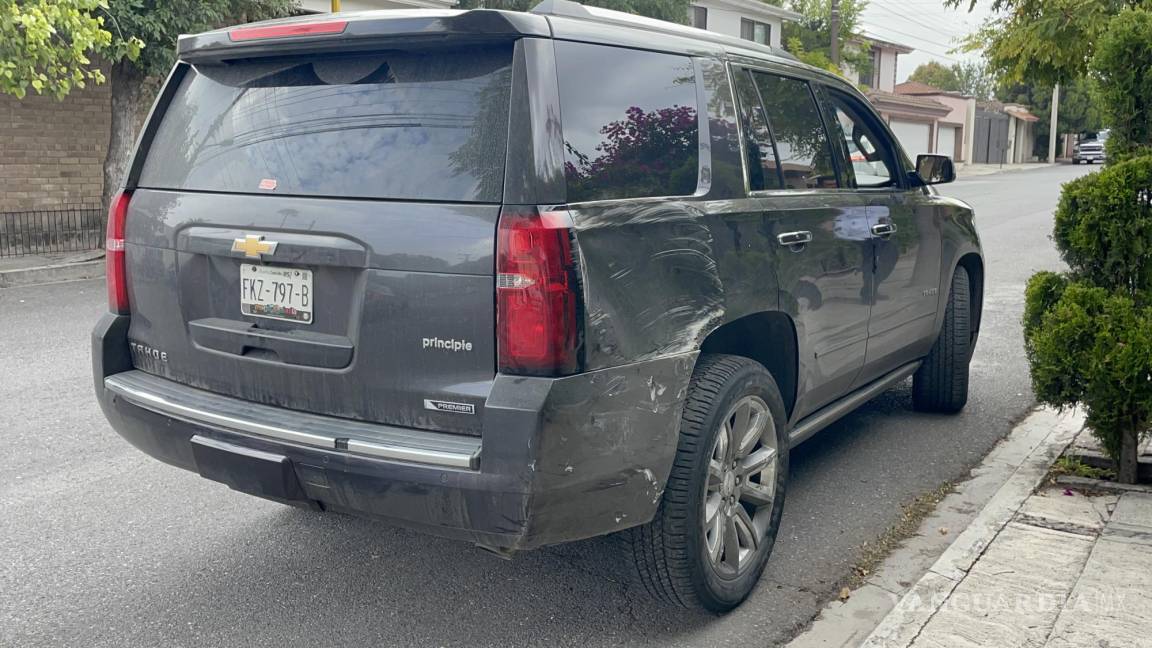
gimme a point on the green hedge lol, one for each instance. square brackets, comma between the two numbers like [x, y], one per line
[1088, 332]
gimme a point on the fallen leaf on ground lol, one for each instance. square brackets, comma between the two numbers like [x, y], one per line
[845, 593]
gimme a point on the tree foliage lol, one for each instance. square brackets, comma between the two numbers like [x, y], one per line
[810, 39]
[975, 79]
[1079, 108]
[49, 45]
[1088, 333]
[1043, 41]
[936, 75]
[157, 23]
[1121, 64]
[671, 10]
[968, 77]
[53, 46]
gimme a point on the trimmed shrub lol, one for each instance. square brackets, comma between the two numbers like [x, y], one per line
[1088, 332]
[1103, 226]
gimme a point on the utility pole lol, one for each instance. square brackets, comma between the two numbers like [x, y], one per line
[1052, 129]
[834, 25]
[335, 6]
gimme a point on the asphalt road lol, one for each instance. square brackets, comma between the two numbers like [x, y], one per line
[103, 546]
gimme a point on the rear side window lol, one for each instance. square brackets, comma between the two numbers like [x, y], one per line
[759, 151]
[630, 122]
[403, 125]
[801, 141]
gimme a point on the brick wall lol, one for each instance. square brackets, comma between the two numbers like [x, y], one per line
[52, 152]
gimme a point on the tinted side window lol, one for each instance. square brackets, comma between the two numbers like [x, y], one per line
[801, 141]
[871, 156]
[406, 125]
[760, 152]
[630, 122]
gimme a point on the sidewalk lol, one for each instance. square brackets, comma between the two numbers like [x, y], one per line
[1006, 562]
[50, 268]
[973, 170]
[1069, 570]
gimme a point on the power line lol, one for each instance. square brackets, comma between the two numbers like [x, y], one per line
[935, 28]
[930, 42]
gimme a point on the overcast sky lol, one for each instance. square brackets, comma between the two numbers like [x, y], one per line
[924, 25]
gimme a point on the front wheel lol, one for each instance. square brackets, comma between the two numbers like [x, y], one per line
[717, 520]
[941, 382]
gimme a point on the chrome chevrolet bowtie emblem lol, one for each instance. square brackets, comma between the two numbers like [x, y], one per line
[254, 247]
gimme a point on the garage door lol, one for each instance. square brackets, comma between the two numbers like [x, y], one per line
[946, 141]
[913, 136]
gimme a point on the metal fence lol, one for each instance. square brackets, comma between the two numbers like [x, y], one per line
[72, 228]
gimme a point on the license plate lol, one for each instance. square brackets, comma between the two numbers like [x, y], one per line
[276, 292]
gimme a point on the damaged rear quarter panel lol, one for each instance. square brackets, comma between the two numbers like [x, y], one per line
[604, 449]
[658, 277]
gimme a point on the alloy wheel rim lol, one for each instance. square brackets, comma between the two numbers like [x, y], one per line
[741, 486]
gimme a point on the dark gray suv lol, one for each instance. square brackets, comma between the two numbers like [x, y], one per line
[524, 278]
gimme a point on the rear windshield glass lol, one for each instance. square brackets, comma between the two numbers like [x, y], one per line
[403, 125]
[630, 123]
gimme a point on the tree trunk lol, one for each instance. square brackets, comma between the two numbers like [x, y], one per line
[132, 96]
[1128, 461]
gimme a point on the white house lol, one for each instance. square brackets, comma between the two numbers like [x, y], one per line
[748, 19]
[883, 55]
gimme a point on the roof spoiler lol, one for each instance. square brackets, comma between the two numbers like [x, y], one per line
[358, 32]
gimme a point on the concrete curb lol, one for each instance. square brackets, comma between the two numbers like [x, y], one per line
[1088, 484]
[895, 603]
[52, 274]
[981, 171]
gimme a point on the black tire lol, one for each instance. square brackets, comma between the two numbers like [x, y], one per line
[670, 553]
[941, 382]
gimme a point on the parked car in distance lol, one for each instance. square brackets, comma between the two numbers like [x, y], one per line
[1091, 148]
[521, 279]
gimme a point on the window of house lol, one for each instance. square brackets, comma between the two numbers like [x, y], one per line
[798, 129]
[756, 31]
[700, 17]
[759, 150]
[638, 134]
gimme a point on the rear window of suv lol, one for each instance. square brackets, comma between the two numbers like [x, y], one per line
[630, 122]
[401, 125]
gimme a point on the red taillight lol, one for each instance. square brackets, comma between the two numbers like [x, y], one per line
[536, 329]
[284, 31]
[117, 275]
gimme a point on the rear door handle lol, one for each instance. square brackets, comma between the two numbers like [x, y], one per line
[791, 239]
[884, 230]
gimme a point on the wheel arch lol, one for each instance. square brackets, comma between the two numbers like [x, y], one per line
[768, 337]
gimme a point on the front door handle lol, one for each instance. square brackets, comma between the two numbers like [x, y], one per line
[794, 239]
[884, 230]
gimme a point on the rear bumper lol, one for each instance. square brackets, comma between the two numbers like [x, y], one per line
[559, 459]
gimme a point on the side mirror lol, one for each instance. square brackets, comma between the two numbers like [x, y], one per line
[935, 169]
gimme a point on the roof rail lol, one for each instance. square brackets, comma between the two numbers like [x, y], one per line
[570, 9]
[562, 8]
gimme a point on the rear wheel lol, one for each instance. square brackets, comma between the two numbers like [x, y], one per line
[717, 521]
[941, 382]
